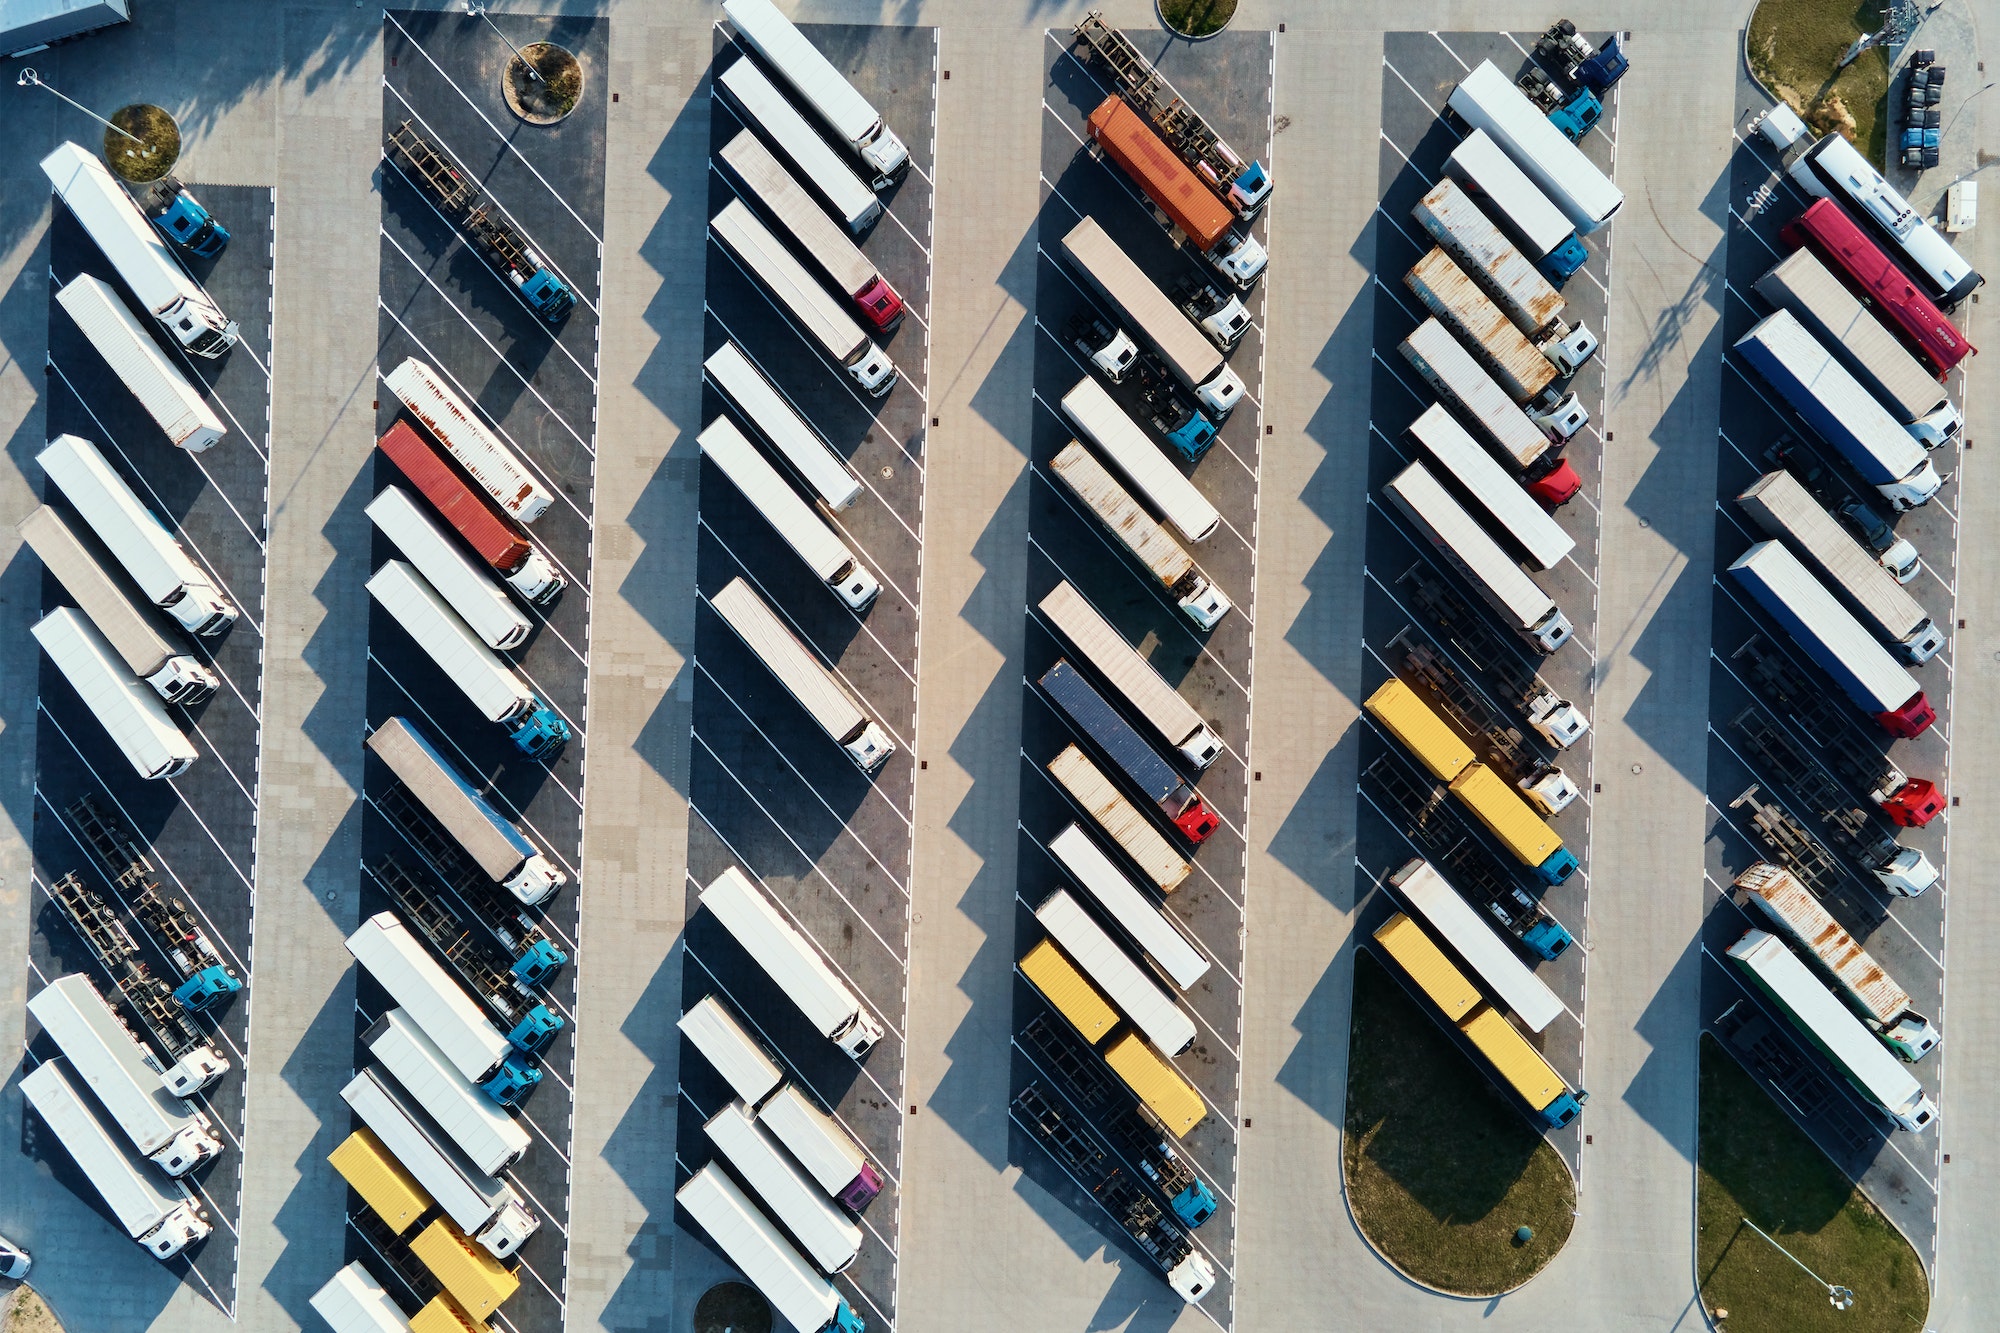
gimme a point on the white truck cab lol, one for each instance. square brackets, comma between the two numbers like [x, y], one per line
[1568, 348]
[1558, 721]
[1551, 790]
[1936, 427]
[1561, 422]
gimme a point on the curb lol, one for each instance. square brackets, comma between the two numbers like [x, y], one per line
[1180, 36]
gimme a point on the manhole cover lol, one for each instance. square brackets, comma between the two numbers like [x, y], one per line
[732, 1307]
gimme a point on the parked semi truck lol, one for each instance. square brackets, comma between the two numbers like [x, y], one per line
[1833, 168]
[1509, 1058]
[148, 269]
[496, 538]
[741, 1059]
[822, 694]
[794, 520]
[1831, 1027]
[489, 1211]
[1503, 746]
[36, 25]
[1796, 913]
[1142, 536]
[1487, 99]
[1524, 367]
[830, 1238]
[494, 688]
[1190, 206]
[1529, 442]
[807, 1301]
[134, 633]
[354, 1302]
[135, 537]
[132, 714]
[1171, 794]
[1439, 906]
[1147, 1074]
[827, 245]
[1151, 1010]
[174, 211]
[125, 1076]
[1192, 357]
[1510, 507]
[820, 86]
[485, 609]
[1158, 937]
[1448, 529]
[476, 448]
[761, 104]
[1828, 633]
[438, 1005]
[183, 415]
[1120, 819]
[1486, 256]
[1137, 680]
[1787, 512]
[1839, 241]
[792, 963]
[1804, 286]
[164, 1221]
[825, 473]
[505, 853]
[817, 315]
[491, 1139]
[1490, 176]
[1100, 420]
[1844, 414]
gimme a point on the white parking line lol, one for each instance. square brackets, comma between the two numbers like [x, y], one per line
[1453, 54]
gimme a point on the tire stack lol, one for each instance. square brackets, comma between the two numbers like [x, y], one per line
[1922, 116]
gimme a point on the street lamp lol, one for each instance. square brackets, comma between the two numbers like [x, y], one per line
[477, 9]
[30, 79]
[1840, 1298]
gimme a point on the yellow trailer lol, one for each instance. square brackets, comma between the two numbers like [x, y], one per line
[1521, 1066]
[380, 1180]
[1069, 991]
[1424, 963]
[1159, 1085]
[470, 1276]
[1410, 720]
[442, 1316]
[1506, 815]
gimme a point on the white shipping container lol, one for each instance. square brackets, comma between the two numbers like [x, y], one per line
[1105, 962]
[803, 530]
[1827, 630]
[1487, 99]
[827, 1152]
[1133, 453]
[491, 1139]
[725, 1043]
[800, 671]
[1510, 507]
[1151, 929]
[773, 414]
[791, 961]
[461, 581]
[771, 111]
[130, 712]
[818, 315]
[492, 686]
[830, 1240]
[354, 1302]
[1138, 301]
[838, 256]
[440, 1007]
[740, 1230]
[140, 365]
[485, 458]
[1491, 958]
[1447, 293]
[1445, 525]
[1506, 188]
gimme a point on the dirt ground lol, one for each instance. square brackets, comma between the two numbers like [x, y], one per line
[22, 1311]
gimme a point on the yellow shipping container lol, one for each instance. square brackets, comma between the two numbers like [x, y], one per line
[380, 1180]
[441, 1316]
[1404, 940]
[472, 1277]
[1410, 720]
[1509, 1052]
[1506, 815]
[1069, 991]
[1159, 1085]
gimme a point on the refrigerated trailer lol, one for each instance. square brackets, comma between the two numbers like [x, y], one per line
[125, 1076]
[1119, 818]
[1530, 445]
[1186, 200]
[1151, 1010]
[118, 229]
[1091, 409]
[131, 713]
[135, 537]
[803, 530]
[486, 458]
[823, 470]
[135, 633]
[792, 962]
[821, 87]
[817, 315]
[1137, 680]
[1487, 99]
[1142, 536]
[491, 1139]
[1829, 634]
[354, 1302]
[1505, 501]
[157, 383]
[1156, 933]
[1448, 529]
[831, 1240]
[1453, 920]
[823, 696]
[501, 542]
[489, 612]
[1505, 192]
[807, 1301]
[758, 100]
[828, 1153]
[500, 849]
[1831, 1027]
[1782, 506]
[164, 1221]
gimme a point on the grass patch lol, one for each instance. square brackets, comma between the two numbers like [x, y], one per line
[1755, 1163]
[1440, 1169]
[1794, 45]
[1197, 18]
[155, 155]
[551, 96]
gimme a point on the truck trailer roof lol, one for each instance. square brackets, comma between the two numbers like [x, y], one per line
[1487, 99]
[1794, 909]
[1424, 963]
[1158, 170]
[1445, 523]
[1803, 285]
[1841, 645]
[1404, 715]
[1487, 167]
[1490, 957]
[1091, 250]
[1503, 498]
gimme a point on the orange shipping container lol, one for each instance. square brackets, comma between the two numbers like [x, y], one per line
[1167, 181]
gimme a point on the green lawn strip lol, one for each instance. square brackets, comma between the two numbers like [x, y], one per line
[1755, 1163]
[1440, 1168]
[1794, 46]
[1197, 18]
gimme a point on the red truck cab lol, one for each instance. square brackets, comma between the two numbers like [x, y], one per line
[1914, 718]
[880, 305]
[1915, 804]
[1556, 487]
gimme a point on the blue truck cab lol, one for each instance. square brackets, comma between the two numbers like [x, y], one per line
[1250, 189]
[535, 1031]
[1194, 1205]
[1562, 863]
[515, 1079]
[539, 962]
[1558, 264]
[1564, 1109]
[846, 1321]
[546, 294]
[182, 220]
[205, 987]
[1172, 411]
[539, 733]
[1547, 938]
[1575, 116]
[1602, 70]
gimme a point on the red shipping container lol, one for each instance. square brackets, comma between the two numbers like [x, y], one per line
[474, 517]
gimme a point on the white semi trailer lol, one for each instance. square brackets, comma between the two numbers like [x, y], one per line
[823, 470]
[471, 591]
[1448, 529]
[826, 700]
[133, 715]
[1137, 680]
[822, 87]
[140, 365]
[760, 102]
[486, 458]
[816, 313]
[490, 1138]
[792, 962]
[807, 1301]
[802, 529]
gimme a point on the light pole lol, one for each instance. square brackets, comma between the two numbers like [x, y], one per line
[1961, 108]
[477, 8]
[1840, 1298]
[30, 79]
